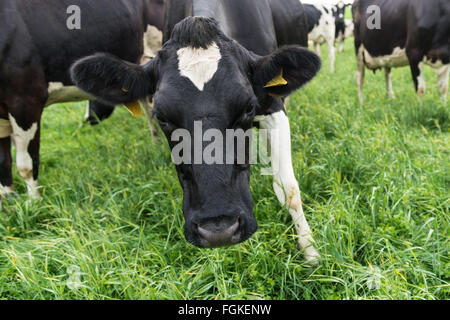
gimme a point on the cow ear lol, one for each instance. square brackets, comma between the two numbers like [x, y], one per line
[286, 70]
[112, 80]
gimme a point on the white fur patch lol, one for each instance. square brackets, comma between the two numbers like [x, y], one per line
[199, 65]
[396, 59]
[6, 190]
[325, 29]
[324, 32]
[421, 86]
[152, 43]
[5, 128]
[285, 184]
[349, 27]
[53, 86]
[24, 162]
[443, 73]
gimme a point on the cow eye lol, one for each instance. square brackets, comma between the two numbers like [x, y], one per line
[163, 122]
[250, 110]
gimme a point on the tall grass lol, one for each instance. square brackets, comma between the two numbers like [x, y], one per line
[374, 180]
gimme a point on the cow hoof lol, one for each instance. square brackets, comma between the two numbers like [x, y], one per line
[312, 257]
[35, 196]
[6, 192]
[92, 121]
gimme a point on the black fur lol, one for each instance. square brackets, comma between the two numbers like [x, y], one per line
[116, 81]
[197, 32]
[312, 16]
[231, 99]
[299, 66]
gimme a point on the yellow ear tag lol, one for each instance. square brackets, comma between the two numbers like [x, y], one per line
[134, 108]
[277, 81]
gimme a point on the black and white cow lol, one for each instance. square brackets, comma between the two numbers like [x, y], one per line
[322, 29]
[342, 25]
[409, 32]
[97, 111]
[37, 47]
[219, 65]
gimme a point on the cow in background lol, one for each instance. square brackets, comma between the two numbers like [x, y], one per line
[410, 32]
[37, 48]
[342, 24]
[321, 29]
[97, 111]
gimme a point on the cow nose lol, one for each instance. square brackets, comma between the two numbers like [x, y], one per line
[220, 231]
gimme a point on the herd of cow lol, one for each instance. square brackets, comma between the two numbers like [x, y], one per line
[229, 63]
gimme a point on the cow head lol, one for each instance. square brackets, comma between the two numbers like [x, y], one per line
[202, 78]
[339, 11]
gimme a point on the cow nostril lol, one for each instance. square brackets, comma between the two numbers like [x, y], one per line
[219, 231]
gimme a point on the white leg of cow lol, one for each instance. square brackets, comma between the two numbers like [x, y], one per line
[331, 54]
[443, 75]
[317, 48]
[5, 190]
[360, 75]
[24, 162]
[341, 41]
[387, 76]
[86, 114]
[285, 185]
[421, 89]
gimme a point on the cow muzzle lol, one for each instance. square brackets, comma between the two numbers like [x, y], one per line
[219, 231]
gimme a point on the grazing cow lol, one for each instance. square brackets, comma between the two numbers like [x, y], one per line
[219, 67]
[410, 32]
[340, 23]
[97, 111]
[322, 29]
[37, 47]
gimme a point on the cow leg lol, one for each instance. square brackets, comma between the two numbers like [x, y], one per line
[387, 76]
[331, 54]
[285, 184]
[417, 75]
[26, 137]
[6, 182]
[442, 77]
[421, 89]
[360, 75]
[317, 48]
[341, 41]
[97, 112]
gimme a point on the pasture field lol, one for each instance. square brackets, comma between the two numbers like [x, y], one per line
[374, 179]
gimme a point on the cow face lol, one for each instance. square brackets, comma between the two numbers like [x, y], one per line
[339, 11]
[204, 82]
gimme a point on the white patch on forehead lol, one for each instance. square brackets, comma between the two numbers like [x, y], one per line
[199, 65]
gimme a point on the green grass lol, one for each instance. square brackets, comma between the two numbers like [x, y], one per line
[374, 180]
